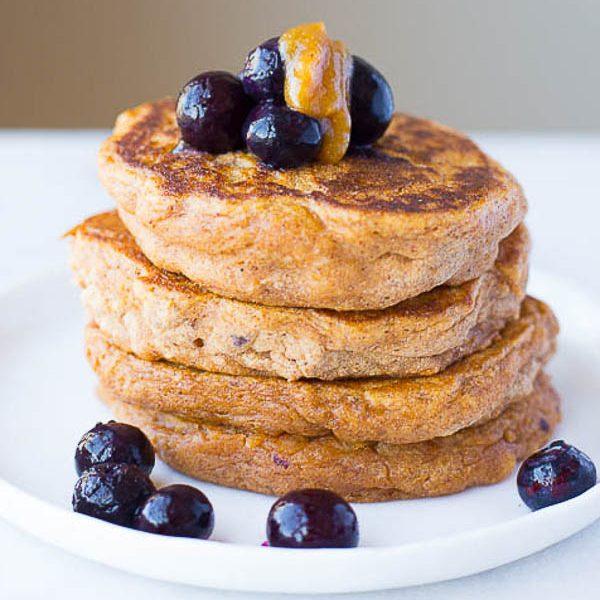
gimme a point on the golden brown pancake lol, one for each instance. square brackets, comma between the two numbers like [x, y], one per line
[380, 409]
[478, 455]
[159, 315]
[423, 207]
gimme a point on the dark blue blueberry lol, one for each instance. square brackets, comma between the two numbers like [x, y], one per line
[263, 74]
[312, 519]
[179, 510]
[211, 110]
[555, 474]
[371, 103]
[112, 492]
[114, 443]
[282, 137]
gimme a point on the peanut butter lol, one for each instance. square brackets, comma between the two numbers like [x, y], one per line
[317, 83]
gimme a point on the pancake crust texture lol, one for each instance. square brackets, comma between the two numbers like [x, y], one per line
[423, 207]
[160, 315]
[479, 455]
[398, 411]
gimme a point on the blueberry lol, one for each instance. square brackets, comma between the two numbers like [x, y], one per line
[112, 492]
[178, 510]
[211, 110]
[114, 443]
[371, 103]
[312, 519]
[282, 137]
[555, 474]
[263, 74]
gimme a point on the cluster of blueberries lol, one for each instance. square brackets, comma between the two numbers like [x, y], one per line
[114, 461]
[217, 112]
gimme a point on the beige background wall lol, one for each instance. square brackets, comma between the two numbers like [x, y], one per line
[472, 63]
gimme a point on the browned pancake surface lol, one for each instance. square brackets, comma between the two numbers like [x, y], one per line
[418, 166]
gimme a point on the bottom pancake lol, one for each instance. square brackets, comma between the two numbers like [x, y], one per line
[364, 472]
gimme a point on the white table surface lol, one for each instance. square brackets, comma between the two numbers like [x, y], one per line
[48, 183]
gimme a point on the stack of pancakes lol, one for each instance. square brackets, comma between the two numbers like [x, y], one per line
[361, 327]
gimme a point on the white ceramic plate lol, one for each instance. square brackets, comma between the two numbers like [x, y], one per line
[47, 401]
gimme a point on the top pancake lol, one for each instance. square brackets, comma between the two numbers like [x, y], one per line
[423, 207]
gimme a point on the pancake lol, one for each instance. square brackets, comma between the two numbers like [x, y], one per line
[423, 207]
[478, 455]
[159, 315]
[380, 409]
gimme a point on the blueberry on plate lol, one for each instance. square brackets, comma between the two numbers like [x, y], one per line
[114, 442]
[112, 492]
[555, 474]
[263, 75]
[371, 103]
[178, 510]
[282, 137]
[211, 110]
[312, 518]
